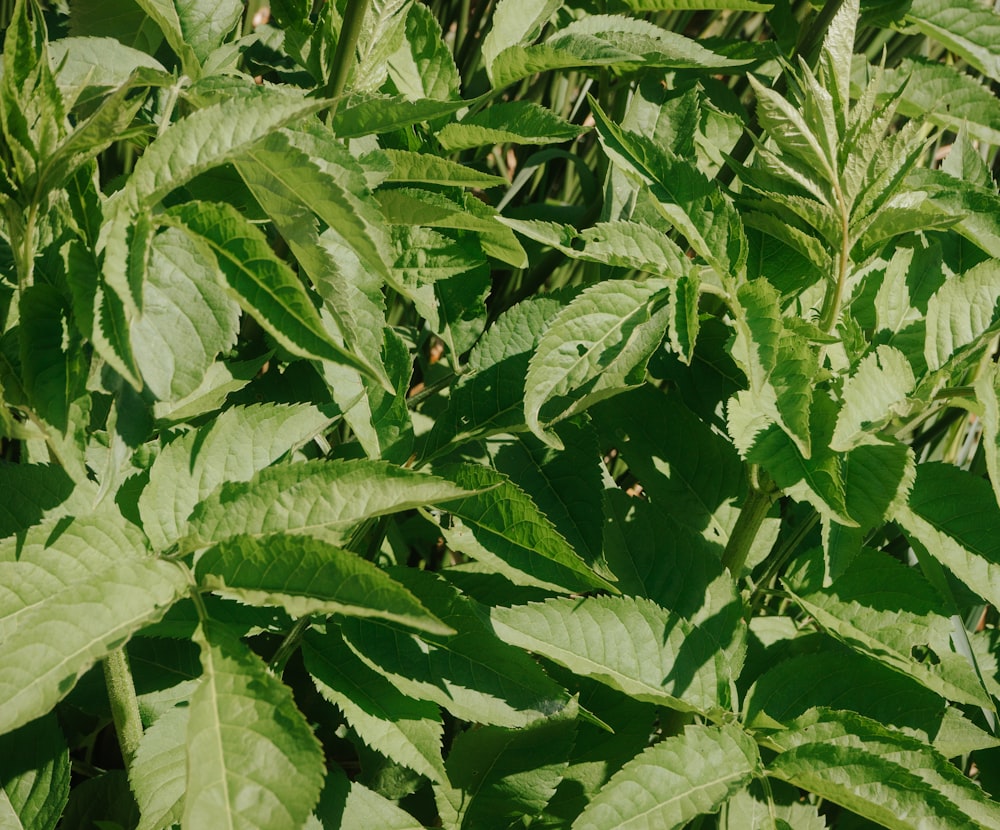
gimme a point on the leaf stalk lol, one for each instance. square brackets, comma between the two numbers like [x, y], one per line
[124, 704]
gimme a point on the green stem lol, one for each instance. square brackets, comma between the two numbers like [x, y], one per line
[289, 644]
[343, 58]
[755, 508]
[124, 704]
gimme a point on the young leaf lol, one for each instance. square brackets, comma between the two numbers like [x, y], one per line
[407, 730]
[232, 447]
[873, 394]
[628, 643]
[313, 497]
[307, 576]
[502, 775]
[954, 515]
[595, 347]
[675, 780]
[71, 594]
[474, 675]
[501, 525]
[253, 761]
[912, 637]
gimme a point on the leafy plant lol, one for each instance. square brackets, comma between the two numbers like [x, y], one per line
[559, 414]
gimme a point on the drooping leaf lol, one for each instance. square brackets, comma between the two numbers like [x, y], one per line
[253, 761]
[628, 643]
[408, 166]
[314, 497]
[501, 525]
[232, 447]
[675, 780]
[400, 727]
[474, 675]
[497, 774]
[516, 22]
[71, 593]
[307, 576]
[597, 346]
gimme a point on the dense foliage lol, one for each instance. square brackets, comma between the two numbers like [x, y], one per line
[553, 413]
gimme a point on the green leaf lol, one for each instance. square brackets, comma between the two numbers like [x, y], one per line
[53, 370]
[942, 94]
[502, 526]
[837, 678]
[875, 393]
[159, 770]
[314, 497]
[515, 22]
[695, 5]
[499, 776]
[688, 471]
[91, 65]
[232, 447]
[34, 776]
[350, 804]
[410, 206]
[890, 612]
[187, 317]
[595, 347]
[628, 643]
[687, 199]
[954, 515]
[778, 361]
[973, 211]
[408, 166]
[966, 27]
[399, 727]
[423, 66]
[473, 674]
[263, 284]
[964, 310]
[988, 395]
[37, 491]
[371, 114]
[447, 280]
[621, 244]
[566, 485]
[602, 40]
[489, 397]
[72, 592]
[880, 774]
[207, 138]
[307, 576]
[253, 761]
[674, 781]
[513, 122]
